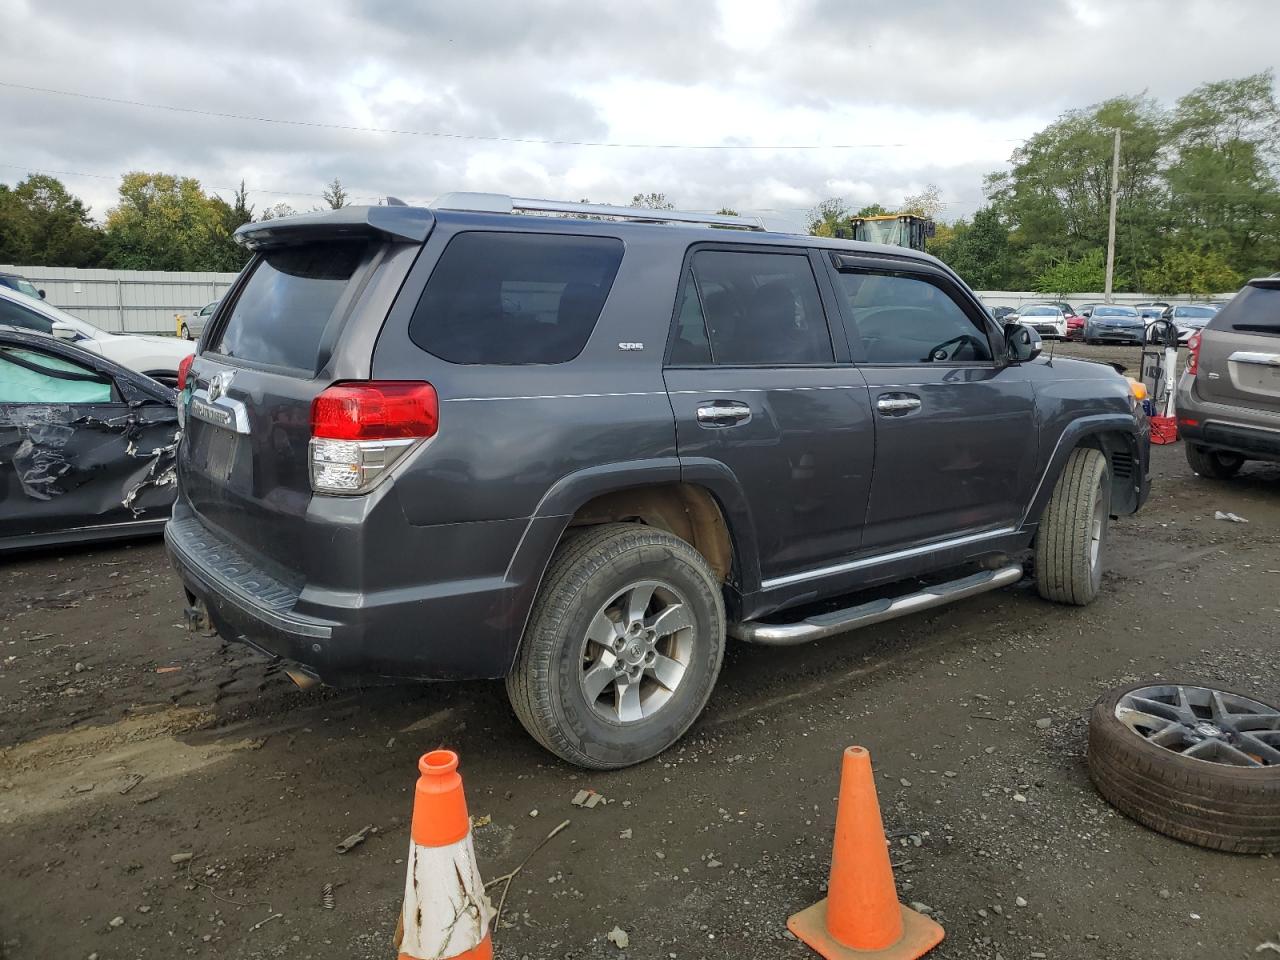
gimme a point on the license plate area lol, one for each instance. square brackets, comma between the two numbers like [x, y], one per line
[214, 451]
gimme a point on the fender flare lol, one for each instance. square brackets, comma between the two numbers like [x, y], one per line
[1068, 440]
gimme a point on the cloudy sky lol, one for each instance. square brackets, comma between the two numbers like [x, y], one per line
[753, 105]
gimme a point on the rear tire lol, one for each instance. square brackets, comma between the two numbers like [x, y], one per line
[185, 333]
[1071, 542]
[1216, 466]
[584, 598]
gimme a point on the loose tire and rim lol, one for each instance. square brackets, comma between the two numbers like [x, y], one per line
[622, 648]
[1195, 763]
[1071, 542]
[1216, 466]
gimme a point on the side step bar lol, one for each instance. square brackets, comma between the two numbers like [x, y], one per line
[876, 611]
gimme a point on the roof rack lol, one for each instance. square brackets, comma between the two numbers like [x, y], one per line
[501, 203]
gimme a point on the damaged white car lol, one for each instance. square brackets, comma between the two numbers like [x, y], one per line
[87, 446]
[157, 357]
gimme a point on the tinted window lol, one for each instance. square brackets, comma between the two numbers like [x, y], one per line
[761, 308]
[515, 297]
[281, 315]
[1255, 309]
[15, 316]
[903, 319]
[1114, 312]
[690, 343]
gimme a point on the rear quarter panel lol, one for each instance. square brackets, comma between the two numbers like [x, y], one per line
[527, 440]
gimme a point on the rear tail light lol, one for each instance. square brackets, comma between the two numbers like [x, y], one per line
[359, 430]
[1193, 358]
[184, 370]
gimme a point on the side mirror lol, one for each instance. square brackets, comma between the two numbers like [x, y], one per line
[1021, 342]
[63, 332]
[41, 292]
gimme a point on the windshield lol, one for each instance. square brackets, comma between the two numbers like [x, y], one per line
[1114, 312]
[27, 287]
[1040, 312]
[1151, 311]
[1199, 312]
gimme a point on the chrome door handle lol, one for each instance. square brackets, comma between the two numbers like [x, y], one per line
[897, 404]
[723, 413]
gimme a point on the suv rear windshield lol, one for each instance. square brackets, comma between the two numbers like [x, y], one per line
[281, 314]
[515, 298]
[1255, 309]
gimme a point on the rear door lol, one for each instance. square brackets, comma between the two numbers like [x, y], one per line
[304, 314]
[955, 430]
[1240, 350]
[758, 385]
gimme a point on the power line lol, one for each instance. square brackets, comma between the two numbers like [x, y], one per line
[471, 136]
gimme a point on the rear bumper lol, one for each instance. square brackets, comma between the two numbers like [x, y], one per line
[1252, 434]
[439, 628]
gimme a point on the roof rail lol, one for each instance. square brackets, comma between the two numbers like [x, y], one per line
[501, 203]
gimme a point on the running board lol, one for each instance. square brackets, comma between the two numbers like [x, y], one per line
[876, 611]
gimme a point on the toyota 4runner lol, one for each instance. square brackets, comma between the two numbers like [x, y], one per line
[578, 446]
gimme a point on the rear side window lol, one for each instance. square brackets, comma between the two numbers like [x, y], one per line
[30, 376]
[759, 308]
[281, 315]
[515, 298]
[1255, 309]
[904, 319]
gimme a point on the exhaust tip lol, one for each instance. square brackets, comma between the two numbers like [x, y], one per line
[303, 680]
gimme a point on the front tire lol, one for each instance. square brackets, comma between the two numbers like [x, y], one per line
[1216, 466]
[186, 333]
[1071, 542]
[622, 647]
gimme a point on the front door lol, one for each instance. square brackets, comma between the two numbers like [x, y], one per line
[756, 386]
[955, 430]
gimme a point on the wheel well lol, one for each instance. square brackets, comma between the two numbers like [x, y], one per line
[1121, 452]
[686, 510]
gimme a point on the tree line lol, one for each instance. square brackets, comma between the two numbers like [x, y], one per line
[1198, 205]
[160, 222]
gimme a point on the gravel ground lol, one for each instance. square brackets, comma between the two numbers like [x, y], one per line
[974, 715]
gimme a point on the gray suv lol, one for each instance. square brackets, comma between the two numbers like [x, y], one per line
[1228, 399]
[577, 446]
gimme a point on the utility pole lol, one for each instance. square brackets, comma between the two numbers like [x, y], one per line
[1111, 222]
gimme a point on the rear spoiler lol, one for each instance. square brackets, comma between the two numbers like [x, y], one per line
[397, 224]
[1266, 283]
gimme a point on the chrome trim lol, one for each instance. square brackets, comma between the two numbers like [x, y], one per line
[1262, 359]
[874, 611]
[223, 412]
[723, 413]
[897, 404]
[883, 558]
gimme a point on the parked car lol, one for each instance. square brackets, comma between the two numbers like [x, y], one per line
[1045, 319]
[1150, 314]
[604, 445]
[87, 446]
[1113, 323]
[157, 357]
[16, 281]
[191, 325]
[1189, 318]
[1228, 399]
[999, 313]
[1085, 309]
[1163, 305]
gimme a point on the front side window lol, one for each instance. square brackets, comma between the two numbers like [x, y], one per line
[903, 319]
[515, 298]
[32, 376]
[760, 308]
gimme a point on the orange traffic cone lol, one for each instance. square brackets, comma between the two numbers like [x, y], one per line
[446, 913]
[861, 916]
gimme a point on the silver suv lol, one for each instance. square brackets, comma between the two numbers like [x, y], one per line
[1228, 401]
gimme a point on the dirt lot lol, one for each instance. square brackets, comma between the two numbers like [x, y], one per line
[701, 853]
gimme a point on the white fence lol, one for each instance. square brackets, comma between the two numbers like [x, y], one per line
[132, 301]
